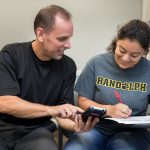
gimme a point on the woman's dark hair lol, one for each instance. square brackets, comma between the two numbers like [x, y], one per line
[134, 30]
[45, 18]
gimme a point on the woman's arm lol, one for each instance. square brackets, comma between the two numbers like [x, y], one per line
[77, 125]
[118, 111]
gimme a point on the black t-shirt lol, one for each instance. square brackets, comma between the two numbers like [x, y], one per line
[46, 82]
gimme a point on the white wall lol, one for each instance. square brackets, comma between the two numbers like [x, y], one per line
[146, 10]
[95, 22]
[146, 14]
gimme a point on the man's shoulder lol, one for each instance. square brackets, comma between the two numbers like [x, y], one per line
[15, 50]
[16, 46]
[68, 63]
[67, 59]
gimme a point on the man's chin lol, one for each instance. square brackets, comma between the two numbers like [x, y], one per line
[58, 57]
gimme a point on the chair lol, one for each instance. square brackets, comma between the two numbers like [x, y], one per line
[66, 133]
[62, 132]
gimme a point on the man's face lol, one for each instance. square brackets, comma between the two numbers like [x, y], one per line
[128, 53]
[55, 42]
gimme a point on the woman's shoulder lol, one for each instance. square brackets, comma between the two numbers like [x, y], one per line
[145, 61]
[101, 57]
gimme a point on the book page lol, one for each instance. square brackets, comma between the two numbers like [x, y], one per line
[132, 120]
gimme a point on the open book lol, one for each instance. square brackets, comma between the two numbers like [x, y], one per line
[136, 120]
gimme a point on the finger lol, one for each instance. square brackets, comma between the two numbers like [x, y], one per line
[90, 123]
[130, 112]
[123, 115]
[81, 123]
[74, 112]
[94, 122]
[89, 120]
[62, 114]
[73, 109]
[68, 113]
[78, 109]
[71, 113]
[127, 111]
[66, 110]
[77, 126]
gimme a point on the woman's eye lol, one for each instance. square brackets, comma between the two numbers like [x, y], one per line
[122, 51]
[134, 55]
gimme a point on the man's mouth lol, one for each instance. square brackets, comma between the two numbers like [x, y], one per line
[61, 53]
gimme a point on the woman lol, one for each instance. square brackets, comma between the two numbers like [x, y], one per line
[123, 69]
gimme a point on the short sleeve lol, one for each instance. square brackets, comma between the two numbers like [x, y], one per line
[85, 85]
[67, 94]
[8, 81]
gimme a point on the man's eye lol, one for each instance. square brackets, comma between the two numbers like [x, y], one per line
[62, 39]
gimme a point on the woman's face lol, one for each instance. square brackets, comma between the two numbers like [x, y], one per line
[128, 53]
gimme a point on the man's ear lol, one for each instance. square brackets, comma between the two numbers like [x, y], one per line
[39, 34]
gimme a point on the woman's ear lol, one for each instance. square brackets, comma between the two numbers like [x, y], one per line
[146, 52]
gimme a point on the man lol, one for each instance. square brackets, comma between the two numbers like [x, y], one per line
[37, 82]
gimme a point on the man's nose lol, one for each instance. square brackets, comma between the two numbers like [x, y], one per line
[67, 44]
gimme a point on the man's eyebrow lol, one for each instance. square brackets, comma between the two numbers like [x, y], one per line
[62, 37]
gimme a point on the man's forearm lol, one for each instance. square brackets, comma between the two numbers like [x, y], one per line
[20, 108]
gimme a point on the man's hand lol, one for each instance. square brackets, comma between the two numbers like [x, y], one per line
[67, 111]
[81, 126]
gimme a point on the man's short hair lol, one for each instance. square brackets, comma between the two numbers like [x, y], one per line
[45, 18]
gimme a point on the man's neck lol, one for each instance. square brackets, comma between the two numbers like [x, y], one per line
[37, 48]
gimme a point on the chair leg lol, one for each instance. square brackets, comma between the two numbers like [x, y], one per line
[60, 138]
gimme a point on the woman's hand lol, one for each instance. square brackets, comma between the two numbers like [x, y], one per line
[119, 111]
[80, 126]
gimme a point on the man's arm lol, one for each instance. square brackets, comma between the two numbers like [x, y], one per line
[17, 107]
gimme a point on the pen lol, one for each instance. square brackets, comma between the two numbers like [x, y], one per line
[118, 96]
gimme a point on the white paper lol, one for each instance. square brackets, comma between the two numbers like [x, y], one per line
[133, 120]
